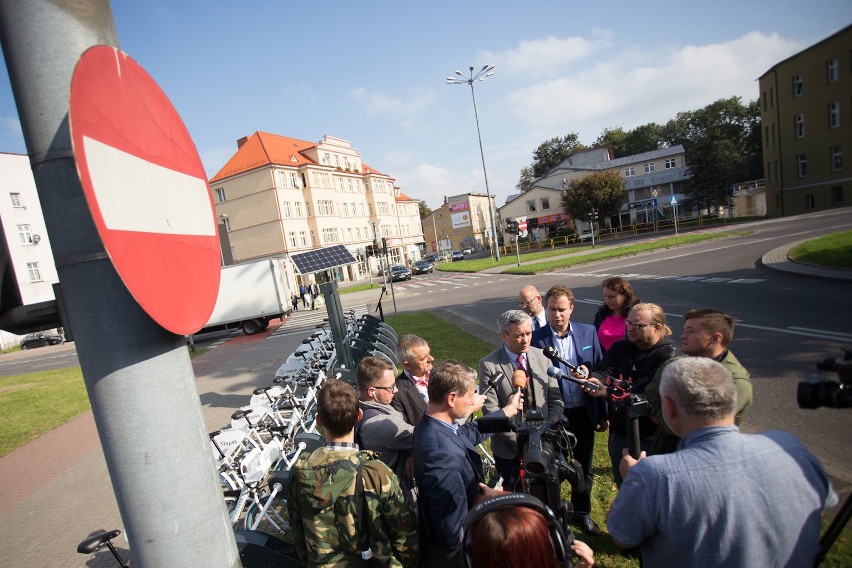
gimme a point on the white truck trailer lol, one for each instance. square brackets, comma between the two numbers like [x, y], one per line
[250, 294]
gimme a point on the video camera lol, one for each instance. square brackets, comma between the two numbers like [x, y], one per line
[817, 390]
[546, 456]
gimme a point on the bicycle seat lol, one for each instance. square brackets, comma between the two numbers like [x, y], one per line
[261, 390]
[96, 541]
[239, 414]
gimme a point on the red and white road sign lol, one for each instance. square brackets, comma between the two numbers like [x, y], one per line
[522, 223]
[146, 188]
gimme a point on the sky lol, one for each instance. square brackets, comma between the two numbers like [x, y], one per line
[374, 73]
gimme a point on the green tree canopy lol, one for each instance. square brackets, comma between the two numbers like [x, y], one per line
[553, 152]
[600, 191]
[641, 139]
[424, 210]
[525, 182]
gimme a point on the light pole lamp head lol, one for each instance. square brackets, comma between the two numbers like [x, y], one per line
[36, 239]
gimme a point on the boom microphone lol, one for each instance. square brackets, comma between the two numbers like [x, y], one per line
[558, 373]
[554, 356]
[493, 382]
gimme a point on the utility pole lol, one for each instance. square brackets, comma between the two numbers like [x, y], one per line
[138, 375]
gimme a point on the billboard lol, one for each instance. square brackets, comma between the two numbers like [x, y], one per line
[460, 220]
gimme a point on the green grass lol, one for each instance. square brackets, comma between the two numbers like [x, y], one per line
[834, 251]
[34, 403]
[360, 287]
[446, 341]
[10, 349]
[627, 250]
[479, 264]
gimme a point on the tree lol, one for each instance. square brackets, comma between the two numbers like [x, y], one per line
[641, 139]
[602, 192]
[722, 143]
[553, 152]
[424, 210]
[525, 182]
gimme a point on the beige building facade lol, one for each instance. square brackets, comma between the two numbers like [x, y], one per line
[281, 196]
[806, 116]
[462, 222]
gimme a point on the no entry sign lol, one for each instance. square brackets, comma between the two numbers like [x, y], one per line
[146, 189]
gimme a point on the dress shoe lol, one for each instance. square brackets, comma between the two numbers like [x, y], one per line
[586, 524]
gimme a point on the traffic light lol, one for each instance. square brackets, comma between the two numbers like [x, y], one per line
[511, 226]
[369, 250]
[384, 246]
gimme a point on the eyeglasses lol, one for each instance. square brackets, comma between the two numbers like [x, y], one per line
[634, 324]
[528, 302]
[389, 389]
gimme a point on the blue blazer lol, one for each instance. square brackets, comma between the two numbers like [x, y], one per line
[588, 351]
[448, 470]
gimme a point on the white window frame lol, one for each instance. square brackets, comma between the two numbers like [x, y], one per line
[800, 126]
[649, 168]
[832, 70]
[298, 207]
[836, 158]
[291, 239]
[227, 223]
[671, 163]
[15, 197]
[798, 85]
[294, 180]
[34, 272]
[630, 171]
[25, 234]
[834, 114]
[303, 238]
[802, 163]
[220, 194]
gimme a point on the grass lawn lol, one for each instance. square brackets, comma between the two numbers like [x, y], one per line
[34, 403]
[831, 250]
[448, 342]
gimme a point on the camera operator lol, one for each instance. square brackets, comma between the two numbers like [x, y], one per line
[637, 358]
[516, 530]
[723, 498]
[447, 467]
[541, 392]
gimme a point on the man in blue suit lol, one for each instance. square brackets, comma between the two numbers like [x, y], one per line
[447, 467]
[578, 344]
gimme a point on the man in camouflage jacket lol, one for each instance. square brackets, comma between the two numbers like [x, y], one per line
[322, 500]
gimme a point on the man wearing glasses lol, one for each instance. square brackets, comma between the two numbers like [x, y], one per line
[647, 348]
[383, 428]
[529, 300]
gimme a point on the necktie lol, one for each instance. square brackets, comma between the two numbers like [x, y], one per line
[536, 324]
[422, 381]
[521, 365]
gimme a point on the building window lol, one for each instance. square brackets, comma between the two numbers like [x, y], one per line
[833, 114]
[803, 165]
[25, 234]
[34, 271]
[298, 209]
[798, 86]
[303, 238]
[833, 70]
[344, 209]
[291, 239]
[531, 205]
[772, 97]
[649, 168]
[800, 126]
[326, 159]
[16, 200]
[769, 172]
[545, 203]
[294, 181]
[671, 163]
[227, 223]
[810, 203]
[836, 159]
[337, 160]
[630, 172]
[285, 210]
[220, 195]
[837, 195]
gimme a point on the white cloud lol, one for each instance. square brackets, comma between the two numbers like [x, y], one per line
[545, 56]
[375, 102]
[431, 183]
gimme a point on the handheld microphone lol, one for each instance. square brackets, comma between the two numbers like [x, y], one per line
[554, 356]
[519, 379]
[493, 382]
[558, 373]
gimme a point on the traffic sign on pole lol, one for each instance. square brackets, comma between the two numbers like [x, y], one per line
[146, 189]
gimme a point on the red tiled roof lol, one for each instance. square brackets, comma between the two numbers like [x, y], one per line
[263, 149]
[403, 197]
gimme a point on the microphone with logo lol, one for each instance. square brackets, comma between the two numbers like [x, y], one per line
[558, 373]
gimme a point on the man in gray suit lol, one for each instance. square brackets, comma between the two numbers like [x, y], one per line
[541, 391]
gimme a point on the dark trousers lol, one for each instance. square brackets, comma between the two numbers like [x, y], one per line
[581, 426]
[510, 471]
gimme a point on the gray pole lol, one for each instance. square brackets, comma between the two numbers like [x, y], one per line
[138, 375]
[492, 233]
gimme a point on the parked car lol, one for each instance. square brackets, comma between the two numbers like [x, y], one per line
[467, 251]
[40, 340]
[399, 273]
[585, 235]
[458, 255]
[431, 258]
[423, 267]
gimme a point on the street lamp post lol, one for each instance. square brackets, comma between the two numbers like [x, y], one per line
[481, 75]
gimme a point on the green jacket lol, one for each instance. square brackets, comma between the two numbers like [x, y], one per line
[321, 505]
[665, 440]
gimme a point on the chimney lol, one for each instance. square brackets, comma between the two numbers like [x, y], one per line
[242, 141]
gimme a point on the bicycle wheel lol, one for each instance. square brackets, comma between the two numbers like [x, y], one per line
[275, 519]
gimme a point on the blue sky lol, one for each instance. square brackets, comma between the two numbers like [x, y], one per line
[374, 73]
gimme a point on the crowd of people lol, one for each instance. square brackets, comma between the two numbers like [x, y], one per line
[400, 481]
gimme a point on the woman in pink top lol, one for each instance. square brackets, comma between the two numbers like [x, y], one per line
[618, 300]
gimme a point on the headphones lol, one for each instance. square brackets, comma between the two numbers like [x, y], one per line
[554, 527]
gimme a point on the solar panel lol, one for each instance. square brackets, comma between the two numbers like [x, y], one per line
[322, 259]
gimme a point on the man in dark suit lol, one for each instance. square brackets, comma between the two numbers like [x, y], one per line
[577, 343]
[412, 396]
[541, 391]
[447, 467]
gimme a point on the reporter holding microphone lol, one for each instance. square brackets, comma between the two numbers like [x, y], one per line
[527, 366]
